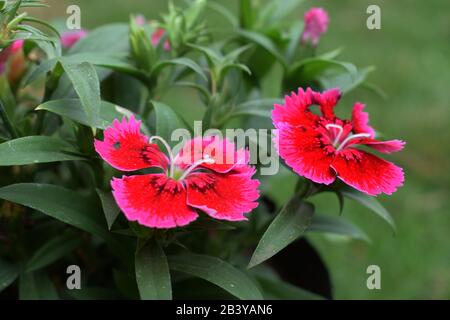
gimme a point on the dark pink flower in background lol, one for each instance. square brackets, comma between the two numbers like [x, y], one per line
[198, 177]
[140, 20]
[11, 50]
[156, 38]
[316, 23]
[323, 147]
[69, 38]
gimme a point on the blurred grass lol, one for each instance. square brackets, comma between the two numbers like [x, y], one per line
[411, 53]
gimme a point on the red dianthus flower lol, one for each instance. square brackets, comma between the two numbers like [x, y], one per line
[323, 147]
[207, 174]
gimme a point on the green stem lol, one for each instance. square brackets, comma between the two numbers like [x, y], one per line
[4, 115]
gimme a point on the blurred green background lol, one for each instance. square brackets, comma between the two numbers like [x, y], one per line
[411, 55]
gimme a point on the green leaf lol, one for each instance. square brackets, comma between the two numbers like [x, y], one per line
[36, 286]
[264, 42]
[185, 62]
[58, 202]
[109, 38]
[73, 109]
[225, 12]
[205, 93]
[115, 62]
[294, 36]
[41, 70]
[110, 207]
[279, 289]
[262, 108]
[247, 14]
[166, 120]
[8, 273]
[316, 68]
[207, 223]
[218, 272]
[326, 224]
[52, 251]
[370, 203]
[289, 224]
[343, 80]
[7, 121]
[43, 23]
[152, 272]
[214, 58]
[87, 85]
[36, 149]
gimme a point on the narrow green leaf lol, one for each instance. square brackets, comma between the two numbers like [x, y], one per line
[313, 68]
[152, 272]
[111, 61]
[340, 226]
[8, 273]
[112, 38]
[205, 93]
[185, 62]
[53, 250]
[264, 42]
[279, 289]
[36, 149]
[218, 272]
[289, 224]
[225, 12]
[36, 286]
[166, 120]
[39, 71]
[73, 109]
[86, 83]
[7, 121]
[262, 108]
[247, 14]
[343, 80]
[58, 202]
[207, 223]
[110, 208]
[370, 203]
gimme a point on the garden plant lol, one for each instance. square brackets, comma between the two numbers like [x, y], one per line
[100, 176]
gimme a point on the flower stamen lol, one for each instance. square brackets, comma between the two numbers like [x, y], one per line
[336, 126]
[352, 137]
[169, 151]
[206, 159]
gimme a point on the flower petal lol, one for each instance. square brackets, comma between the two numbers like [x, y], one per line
[389, 146]
[303, 151]
[360, 120]
[295, 110]
[153, 200]
[125, 148]
[222, 151]
[368, 173]
[223, 196]
[327, 100]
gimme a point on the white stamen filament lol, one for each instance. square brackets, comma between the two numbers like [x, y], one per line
[351, 137]
[169, 151]
[336, 126]
[207, 160]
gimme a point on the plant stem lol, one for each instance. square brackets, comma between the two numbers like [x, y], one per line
[7, 122]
